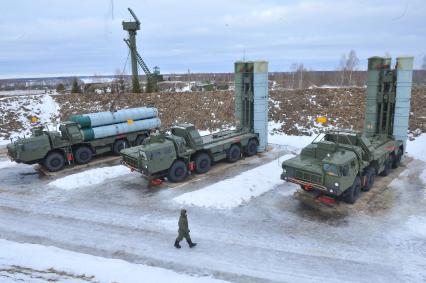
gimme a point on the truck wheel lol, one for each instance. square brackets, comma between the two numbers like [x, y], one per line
[120, 145]
[202, 163]
[83, 155]
[371, 177]
[352, 194]
[388, 165]
[54, 161]
[251, 148]
[140, 139]
[397, 160]
[177, 172]
[233, 153]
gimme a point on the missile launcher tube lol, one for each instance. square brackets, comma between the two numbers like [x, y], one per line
[121, 128]
[108, 118]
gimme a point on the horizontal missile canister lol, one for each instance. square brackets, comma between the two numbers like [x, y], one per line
[108, 118]
[121, 128]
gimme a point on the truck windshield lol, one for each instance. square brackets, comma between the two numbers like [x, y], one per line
[330, 169]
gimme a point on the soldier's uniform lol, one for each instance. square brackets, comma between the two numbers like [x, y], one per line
[183, 231]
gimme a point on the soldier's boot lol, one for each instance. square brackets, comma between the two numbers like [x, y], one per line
[191, 244]
[177, 246]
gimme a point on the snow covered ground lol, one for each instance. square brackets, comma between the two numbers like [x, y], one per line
[89, 177]
[107, 226]
[43, 107]
[235, 191]
[36, 263]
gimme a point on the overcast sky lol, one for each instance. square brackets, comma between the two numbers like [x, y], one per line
[82, 37]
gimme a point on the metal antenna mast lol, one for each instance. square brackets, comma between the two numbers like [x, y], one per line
[132, 28]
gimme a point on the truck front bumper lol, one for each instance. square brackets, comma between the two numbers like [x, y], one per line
[310, 186]
[144, 174]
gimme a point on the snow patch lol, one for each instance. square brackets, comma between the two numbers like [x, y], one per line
[416, 225]
[90, 177]
[233, 192]
[37, 263]
[7, 164]
[417, 147]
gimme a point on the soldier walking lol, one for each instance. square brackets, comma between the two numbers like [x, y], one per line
[183, 231]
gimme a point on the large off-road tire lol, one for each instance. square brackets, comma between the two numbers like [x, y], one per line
[177, 172]
[233, 153]
[388, 166]
[119, 145]
[371, 177]
[397, 160]
[83, 155]
[353, 193]
[54, 161]
[139, 140]
[251, 148]
[202, 163]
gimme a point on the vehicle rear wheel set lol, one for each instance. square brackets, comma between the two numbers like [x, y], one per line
[371, 177]
[202, 163]
[140, 139]
[177, 172]
[397, 160]
[388, 166]
[119, 146]
[233, 153]
[251, 148]
[83, 155]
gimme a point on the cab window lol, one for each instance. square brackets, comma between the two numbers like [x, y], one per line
[330, 169]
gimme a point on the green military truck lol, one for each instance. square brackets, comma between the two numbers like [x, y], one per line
[344, 163]
[83, 137]
[184, 150]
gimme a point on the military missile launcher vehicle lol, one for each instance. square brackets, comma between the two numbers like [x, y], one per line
[185, 150]
[85, 136]
[343, 163]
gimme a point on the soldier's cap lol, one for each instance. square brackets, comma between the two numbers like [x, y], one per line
[183, 211]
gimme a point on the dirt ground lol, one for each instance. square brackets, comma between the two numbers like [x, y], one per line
[214, 110]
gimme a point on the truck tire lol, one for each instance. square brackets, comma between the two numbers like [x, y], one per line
[397, 160]
[388, 165]
[371, 177]
[54, 161]
[202, 163]
[177, 172]
[353, 193]
[119, 145]
[251, 148]
[83, 155]
[140, 139]
[233, 153]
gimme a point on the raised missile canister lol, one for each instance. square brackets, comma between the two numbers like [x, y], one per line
[404, 75]
[108, 118]
[377, 66]
[121, 128]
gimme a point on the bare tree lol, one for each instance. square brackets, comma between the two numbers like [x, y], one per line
[300, 70]
[293, 69]
[342, 68]
[424, 63]
[347, 65]
[351, 64]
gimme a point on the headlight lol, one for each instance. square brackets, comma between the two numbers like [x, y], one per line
[331, 191]
[336, 184]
